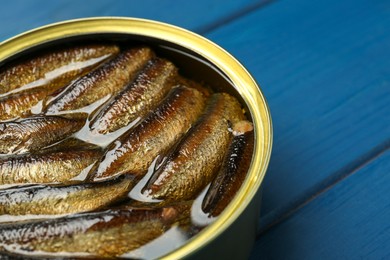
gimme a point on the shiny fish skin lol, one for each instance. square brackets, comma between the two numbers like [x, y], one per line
[70, 143]
[36, 132]
[143, 94]
[195, 160]
[54, 200]
[52, 167]
[106, 80]
[135, 150]
[233, 170]
[55, 68]
[19, 104]
[103, 234]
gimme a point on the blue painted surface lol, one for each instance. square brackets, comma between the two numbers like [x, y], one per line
[20, 15]
[348, 221]
[324, 67]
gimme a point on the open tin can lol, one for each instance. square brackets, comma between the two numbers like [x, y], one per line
[232, 235]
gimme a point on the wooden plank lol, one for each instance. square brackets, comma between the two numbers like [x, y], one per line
[349, 221]
[324, 67]
[22, 15]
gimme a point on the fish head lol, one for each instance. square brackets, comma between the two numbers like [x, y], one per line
[9, 138]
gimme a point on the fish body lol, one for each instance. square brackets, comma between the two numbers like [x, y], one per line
[107, 233]
[107, 80]
[20, 104]
[57, 200]
[70, 143]
[40, 77]
[51, 167]
[143, 94]
[34, 133]
[135, 150]
[53, 69]
[232, 172]
[195, 160]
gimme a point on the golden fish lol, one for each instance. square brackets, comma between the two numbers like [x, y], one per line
[135, 150]
[51, 167]
[53, 200]
[19, 104]
[107, 233]
[142, 95]
[107, 80]
[233, 170]
[197, 157]
[53, 69]
[36, 132]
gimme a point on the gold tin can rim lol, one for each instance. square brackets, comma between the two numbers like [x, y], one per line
[243, 82]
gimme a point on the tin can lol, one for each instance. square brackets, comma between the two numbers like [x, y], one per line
[232, 235]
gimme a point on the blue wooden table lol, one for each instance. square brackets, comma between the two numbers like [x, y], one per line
[324, 67]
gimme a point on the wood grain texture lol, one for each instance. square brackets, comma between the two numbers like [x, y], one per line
[22, 15]
[324, 67]
[349, 221]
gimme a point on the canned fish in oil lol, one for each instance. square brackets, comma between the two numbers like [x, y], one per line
[202, 61]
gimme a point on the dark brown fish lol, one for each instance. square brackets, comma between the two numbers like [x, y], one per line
[51, 167]
[36, 132]
[195, 160]
[102, 234]
[135, 150]
[54, 200]
[53, 69]
[233, 170]
[142, 95]
[107, 80]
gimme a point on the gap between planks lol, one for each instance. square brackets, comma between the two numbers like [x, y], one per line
[231, 17]
[283, 214]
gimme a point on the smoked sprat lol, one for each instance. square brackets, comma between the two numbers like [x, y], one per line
[105, 147]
